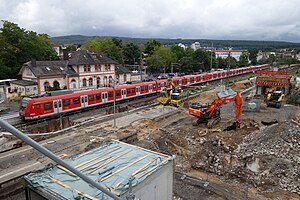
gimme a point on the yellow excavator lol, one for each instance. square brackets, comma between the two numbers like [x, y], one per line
[174, 97]
[274, 98]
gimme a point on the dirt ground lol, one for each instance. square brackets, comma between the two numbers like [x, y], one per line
[258, 160]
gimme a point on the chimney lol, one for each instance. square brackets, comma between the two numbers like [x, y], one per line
[33, 62]
[65, 54]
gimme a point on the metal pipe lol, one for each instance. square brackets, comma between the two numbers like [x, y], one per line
[53, 157]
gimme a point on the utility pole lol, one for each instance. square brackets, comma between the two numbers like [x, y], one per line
[211, 56]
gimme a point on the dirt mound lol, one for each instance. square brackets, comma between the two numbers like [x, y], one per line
[270, 158]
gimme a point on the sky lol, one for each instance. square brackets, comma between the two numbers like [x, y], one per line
[187, 19]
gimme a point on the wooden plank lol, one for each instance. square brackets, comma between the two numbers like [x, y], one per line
[137, 171]
[97, 157]
[71, 188]
[66, 170]
[147, 172]
[144, 166]
[102, 165]
[123, 168]
[157, 153]
[87, 166]
[88, 152]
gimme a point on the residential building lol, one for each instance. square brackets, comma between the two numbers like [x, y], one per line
[195, 46]
[24, 87]
[83, 70]
[225, 53]
[123, 74]
[182, 45]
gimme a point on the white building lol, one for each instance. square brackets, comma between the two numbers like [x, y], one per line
[83, 70]
[195, 46]
[24, 87]
[182, 45]
[224, 53]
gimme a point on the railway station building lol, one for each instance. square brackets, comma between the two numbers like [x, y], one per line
[83, 70]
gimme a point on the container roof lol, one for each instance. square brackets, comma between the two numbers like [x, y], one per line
[111, 164]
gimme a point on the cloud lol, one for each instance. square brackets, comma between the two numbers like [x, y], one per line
[214, 19]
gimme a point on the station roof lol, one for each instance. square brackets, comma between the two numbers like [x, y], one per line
[111, 164]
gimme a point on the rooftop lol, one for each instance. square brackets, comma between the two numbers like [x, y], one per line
[111, 164]
[24, 82]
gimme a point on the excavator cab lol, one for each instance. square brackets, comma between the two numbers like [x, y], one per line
[274, 99]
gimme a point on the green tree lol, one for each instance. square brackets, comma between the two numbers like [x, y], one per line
[231, 62]
[106, 46]
[161, 59]
[179, 51]
[221, 63]
[131, 53]
[19, 46]
[201, 60]
[151, 46]
[243, 61]
[253, 56]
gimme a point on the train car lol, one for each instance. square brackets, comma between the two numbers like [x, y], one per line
[32, 108]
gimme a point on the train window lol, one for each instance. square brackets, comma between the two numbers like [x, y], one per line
[66, 102]
[143, 88]
[47, 106]
[128, 91]
[91, 98]
[110, 94]
[133, 90]
[98, 96]
[37, 105]
[154, 86]
[76, 101]
[118, 93]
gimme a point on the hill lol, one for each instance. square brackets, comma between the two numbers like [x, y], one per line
[235, 44]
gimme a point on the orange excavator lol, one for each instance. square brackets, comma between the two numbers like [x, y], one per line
[210, 113]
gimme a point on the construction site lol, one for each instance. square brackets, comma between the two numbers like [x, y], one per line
[251, 152]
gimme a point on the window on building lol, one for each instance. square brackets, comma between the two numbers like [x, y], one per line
[88, 68]
[84, 82]
[66, 102]
[34, 88]
[76, 101]
[125, 77]
[84, 68]
[90, 81]
[46, 86]
[47, 106]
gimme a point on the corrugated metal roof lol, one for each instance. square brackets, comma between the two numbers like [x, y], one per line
[111, 164]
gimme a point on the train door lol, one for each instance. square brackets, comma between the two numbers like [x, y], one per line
[104, 97]
[150, 88]
[188, 81]
[138, 90]
[57, 106]
[162, 86]
[123, 92]
[84, 101]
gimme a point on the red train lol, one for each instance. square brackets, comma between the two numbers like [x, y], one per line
[33, 108]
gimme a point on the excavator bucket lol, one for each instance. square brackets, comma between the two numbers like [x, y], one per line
[164, 100]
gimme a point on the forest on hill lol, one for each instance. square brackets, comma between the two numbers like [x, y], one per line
[235, 44]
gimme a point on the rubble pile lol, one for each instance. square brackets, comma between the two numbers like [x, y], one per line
[270, 158]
